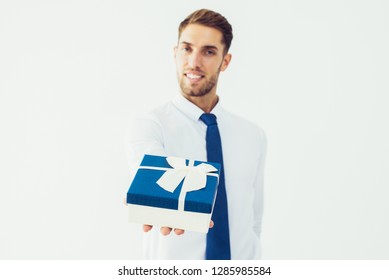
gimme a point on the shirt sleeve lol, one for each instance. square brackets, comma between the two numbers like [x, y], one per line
[259, 193]
[144, 137]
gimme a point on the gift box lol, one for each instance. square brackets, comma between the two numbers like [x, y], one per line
[173, 192]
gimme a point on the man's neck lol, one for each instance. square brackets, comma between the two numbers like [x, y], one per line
[205, 103]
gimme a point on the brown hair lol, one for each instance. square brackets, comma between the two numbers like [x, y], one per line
[211, 19]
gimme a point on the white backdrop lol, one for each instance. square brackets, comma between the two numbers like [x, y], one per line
[312, 74]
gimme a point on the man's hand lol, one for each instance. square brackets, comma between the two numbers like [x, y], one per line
[168, 230]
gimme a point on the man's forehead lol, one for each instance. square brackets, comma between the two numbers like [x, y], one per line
[201, 35]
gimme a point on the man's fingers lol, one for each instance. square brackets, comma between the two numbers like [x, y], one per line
[166, 230]
[211, 224]
[147, 228]
[179, 231]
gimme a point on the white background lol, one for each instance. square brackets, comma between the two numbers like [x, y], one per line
[312, 74]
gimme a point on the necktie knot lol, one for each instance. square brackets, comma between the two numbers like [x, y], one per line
[208, 119]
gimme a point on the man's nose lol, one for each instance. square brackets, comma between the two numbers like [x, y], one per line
[194, 60]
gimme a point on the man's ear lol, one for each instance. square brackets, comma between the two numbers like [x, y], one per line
[226, 61]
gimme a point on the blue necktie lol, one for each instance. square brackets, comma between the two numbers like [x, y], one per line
[218, 237]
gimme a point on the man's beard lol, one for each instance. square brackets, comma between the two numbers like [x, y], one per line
[204, 90]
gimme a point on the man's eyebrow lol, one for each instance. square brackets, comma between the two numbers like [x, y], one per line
[203, 47]
[186, 43]
[210, 47]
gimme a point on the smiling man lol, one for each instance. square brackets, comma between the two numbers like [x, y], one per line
[200, 56]
[195, 126]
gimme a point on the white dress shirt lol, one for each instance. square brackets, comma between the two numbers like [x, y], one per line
[176, 130]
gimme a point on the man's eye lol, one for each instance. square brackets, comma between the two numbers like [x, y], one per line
[186, 49]
[209, 52]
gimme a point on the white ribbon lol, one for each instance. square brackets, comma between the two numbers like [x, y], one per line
[195, 177]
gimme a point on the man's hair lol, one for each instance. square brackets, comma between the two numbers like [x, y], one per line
[211, 19]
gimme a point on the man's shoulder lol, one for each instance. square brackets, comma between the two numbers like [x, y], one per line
[158, 113]
[242, 124]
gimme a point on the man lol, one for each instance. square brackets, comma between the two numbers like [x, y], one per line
[179, 129]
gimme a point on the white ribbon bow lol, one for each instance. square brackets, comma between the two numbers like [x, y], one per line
[195, 177]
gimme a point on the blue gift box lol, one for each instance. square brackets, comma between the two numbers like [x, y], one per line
[172, 190]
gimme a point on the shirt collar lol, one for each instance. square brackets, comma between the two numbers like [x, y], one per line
[191, 110]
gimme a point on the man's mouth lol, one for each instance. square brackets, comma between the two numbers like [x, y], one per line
[194, 77]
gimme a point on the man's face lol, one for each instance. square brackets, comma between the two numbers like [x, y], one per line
[199, 59]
